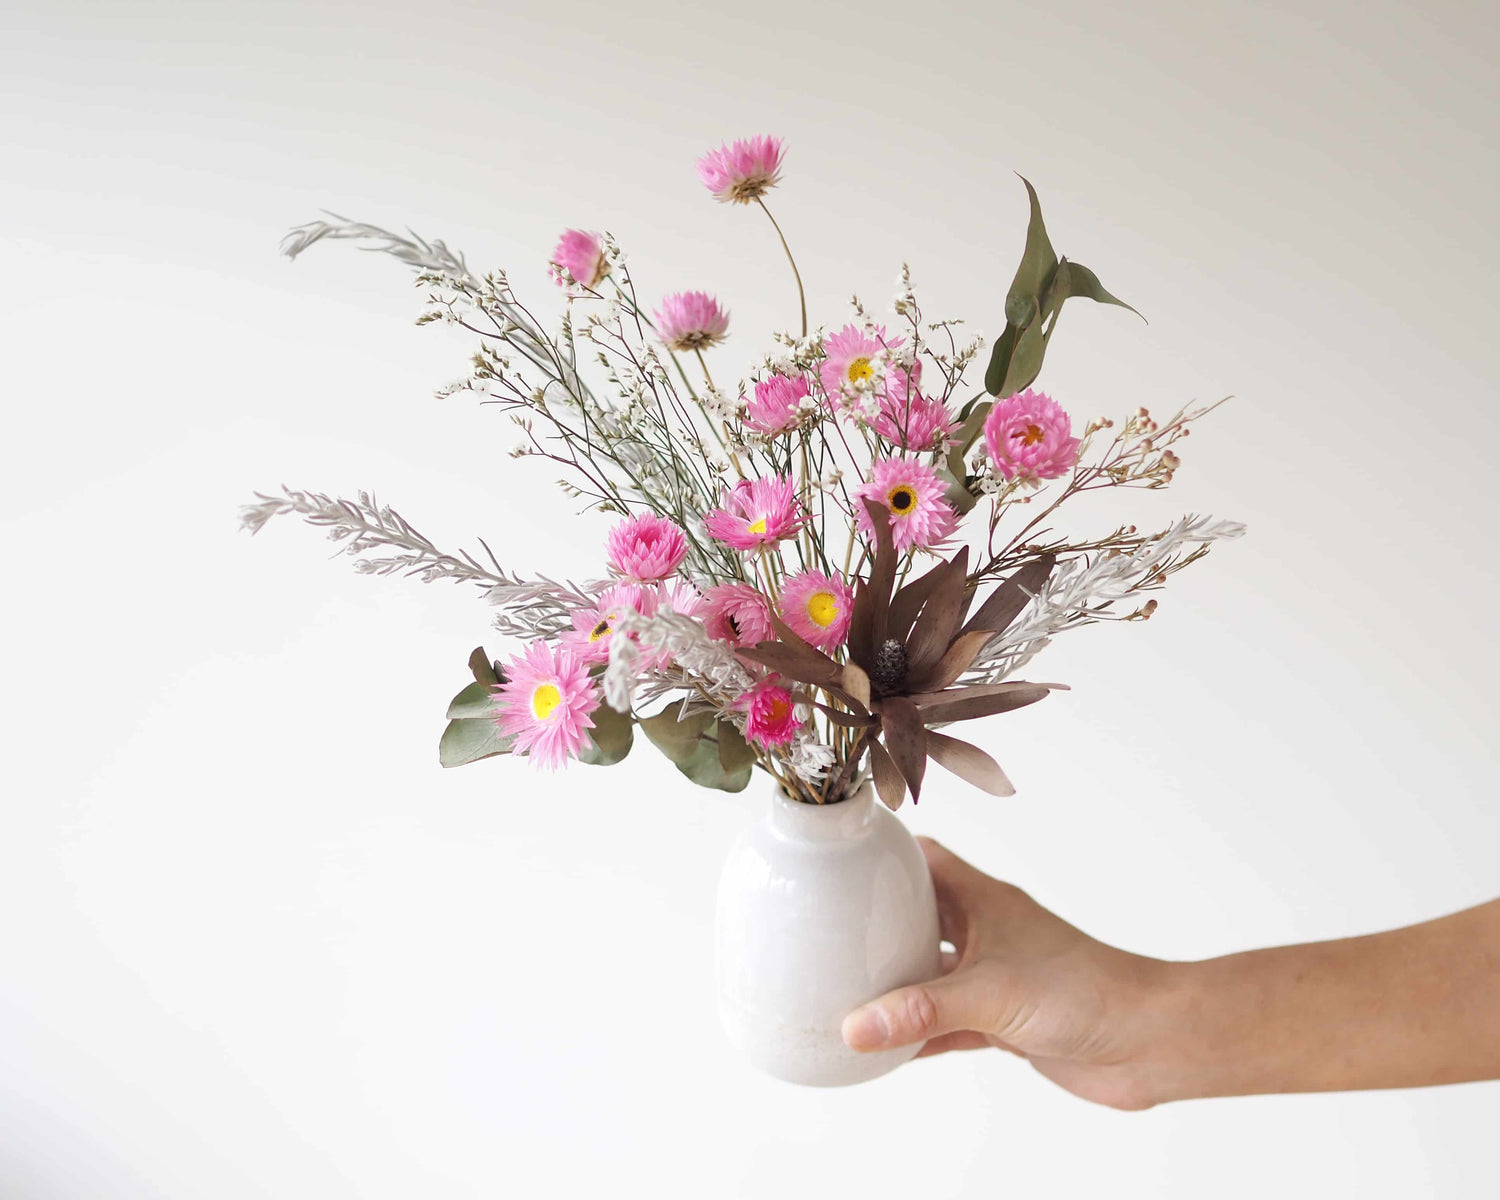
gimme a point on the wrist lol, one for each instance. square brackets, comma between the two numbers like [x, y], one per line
[1176, 1058]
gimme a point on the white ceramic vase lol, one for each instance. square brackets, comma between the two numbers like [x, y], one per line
[821, 908]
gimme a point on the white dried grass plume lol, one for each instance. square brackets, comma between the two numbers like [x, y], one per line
[699, 662]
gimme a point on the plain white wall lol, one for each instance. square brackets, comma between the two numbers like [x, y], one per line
[254, 942]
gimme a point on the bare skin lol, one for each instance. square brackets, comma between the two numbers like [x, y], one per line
[1406, 1008]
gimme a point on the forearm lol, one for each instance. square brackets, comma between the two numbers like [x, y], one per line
[1406, 1008]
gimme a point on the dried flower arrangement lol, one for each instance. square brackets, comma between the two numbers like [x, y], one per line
[790, 582]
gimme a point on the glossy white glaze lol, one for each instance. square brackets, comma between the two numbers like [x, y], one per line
[820, 908]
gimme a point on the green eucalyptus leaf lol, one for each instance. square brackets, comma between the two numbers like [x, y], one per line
[476, 700]
[470, 739]
[484, 670]
[610, 739]
[735, 753]
[703, 766]
[968, 407]
[1073, 279]
[958, 495]
[678, 739]
[994, 374]
[1026, 362]
[968, 434]
[1020, 310]
[1038, 262]
[696, 747]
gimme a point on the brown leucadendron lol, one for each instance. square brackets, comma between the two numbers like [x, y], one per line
[905, 653]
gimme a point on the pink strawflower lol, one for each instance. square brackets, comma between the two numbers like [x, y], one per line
[742, 171]
[691, 321]
[682, 598]
[912, 493]
[579, 258]
[757, 513]
[593, 627]
[847, 370]
[647, 548]
[1030, 437]
[817, 608]
[914, 421]
[545, 704]
[777, 404]
[736, 613]
[770, 714]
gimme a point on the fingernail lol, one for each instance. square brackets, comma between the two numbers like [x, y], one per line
[866, 1029]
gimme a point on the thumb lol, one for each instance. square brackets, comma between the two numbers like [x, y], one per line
[962, 1000]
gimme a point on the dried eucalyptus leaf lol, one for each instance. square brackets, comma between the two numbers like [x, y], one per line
[470, 739]
[484, 670]
[1038, 262]
[1073, 279]
[476, 700]
[678, 738]
[994, 374]
[705, 768]
[735, 753]
[1026, 363]
[610, 739]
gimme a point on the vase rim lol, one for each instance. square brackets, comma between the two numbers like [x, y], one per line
[800, 821]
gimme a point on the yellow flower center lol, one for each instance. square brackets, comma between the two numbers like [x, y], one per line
[544, 700]
[600, 630]
[860, 370]
[778, 708]
[757, 526]
[1029, 436]
[902, 499]
[823, 609]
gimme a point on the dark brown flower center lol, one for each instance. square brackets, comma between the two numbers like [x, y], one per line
[888, 671]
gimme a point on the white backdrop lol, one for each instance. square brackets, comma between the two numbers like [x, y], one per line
[253, 942]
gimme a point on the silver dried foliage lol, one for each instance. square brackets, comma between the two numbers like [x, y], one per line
[363, 527]
[1084, 589]
[700, 663]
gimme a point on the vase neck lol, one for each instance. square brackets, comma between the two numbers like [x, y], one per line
[801, 822]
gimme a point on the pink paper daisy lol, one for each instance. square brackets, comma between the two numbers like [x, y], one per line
[1030, 437]
[736, 613]
[777, 404]
[915, 421]
[817, 608]
[770, 714]
[912, 493]
[691, 321]
[847, 370]
[593, 627]
[757, 513]
[647, 548]
[579, 258]
[682, 598]
[545, 705]
[742, 171]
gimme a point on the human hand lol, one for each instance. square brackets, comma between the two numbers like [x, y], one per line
[1408, 1007]
[1084, 1014]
